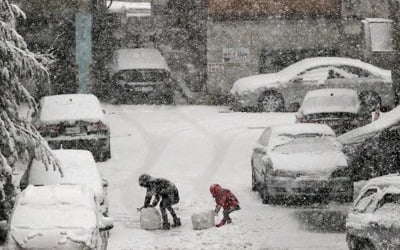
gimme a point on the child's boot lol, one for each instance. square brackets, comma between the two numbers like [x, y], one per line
[221, 223]
[177, 222]
[165, 226]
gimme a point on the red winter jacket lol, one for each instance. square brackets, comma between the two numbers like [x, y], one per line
[225, 199]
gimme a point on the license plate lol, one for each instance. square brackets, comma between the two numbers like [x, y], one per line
[144, 89]
[73, 130]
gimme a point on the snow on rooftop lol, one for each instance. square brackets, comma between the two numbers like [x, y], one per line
[386, 180]
[70, 108]
[142, 58]
[330, 101]
[78, 167]
[357, 135]
[302, 128]
[138, 9]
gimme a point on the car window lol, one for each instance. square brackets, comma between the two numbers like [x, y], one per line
[366, 200]
[389, 201]
[315, 74]
[264, 138]
[354, 72]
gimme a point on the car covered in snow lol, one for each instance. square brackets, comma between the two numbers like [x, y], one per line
[300, 161]
[78, 167]
[374, 149]
[141, 75]
[340, 109]
[285, 90]
[57, 217]
[75, 121]
[374, 220]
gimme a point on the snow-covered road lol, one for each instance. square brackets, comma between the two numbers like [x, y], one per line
[195, 146]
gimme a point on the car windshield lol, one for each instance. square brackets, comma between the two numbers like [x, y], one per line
[306, 143]
[142, 75]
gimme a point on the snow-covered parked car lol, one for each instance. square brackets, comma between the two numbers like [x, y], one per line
[300, 161]
[78, 167]
[374, 149]
[340, 109]
[57, 217]
[141, 75]
[374, 220]
[285, 90]
[75, 121]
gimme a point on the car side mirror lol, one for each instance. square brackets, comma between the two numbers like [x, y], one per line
[107, 224]
[297, 79]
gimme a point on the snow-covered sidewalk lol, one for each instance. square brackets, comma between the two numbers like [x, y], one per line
[195, 146]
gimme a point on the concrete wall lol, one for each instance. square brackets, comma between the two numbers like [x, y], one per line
[274, 34]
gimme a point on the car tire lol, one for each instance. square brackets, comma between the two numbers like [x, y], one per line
[271, 101]
[265, 197]
[370, 100]
[253, 180]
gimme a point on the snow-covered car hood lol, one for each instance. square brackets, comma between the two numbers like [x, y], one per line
[252, 83]
[321, 164]
[65, 238]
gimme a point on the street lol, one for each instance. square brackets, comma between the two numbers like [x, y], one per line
[196, 146]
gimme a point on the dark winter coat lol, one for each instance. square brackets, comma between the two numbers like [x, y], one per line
[161, 188]
[226, 199]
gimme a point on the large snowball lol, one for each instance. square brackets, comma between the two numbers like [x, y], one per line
[150, 219]
[203, 220]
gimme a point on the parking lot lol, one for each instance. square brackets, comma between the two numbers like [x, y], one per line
[195, 146]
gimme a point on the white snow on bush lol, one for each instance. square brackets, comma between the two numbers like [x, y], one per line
[70, 108]
[150, 219]
[203, 220]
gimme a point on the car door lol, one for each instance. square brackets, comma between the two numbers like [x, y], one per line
[310, 79]
[259, 151]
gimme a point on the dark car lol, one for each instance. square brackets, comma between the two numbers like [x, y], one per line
[374, 149]
[141, 75]
[374, 220]
[75, 121]
[340, 109]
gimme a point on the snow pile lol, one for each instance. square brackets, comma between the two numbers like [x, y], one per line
[203, 220]
[150, 219]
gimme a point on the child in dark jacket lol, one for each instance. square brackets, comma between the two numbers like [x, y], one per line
[227, 200]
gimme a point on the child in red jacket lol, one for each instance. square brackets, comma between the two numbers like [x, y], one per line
[227, 200]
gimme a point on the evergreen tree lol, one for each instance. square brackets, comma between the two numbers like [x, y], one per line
[19, 140]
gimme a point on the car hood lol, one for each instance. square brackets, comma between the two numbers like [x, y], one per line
[253, 83]
[321, 164]
[65, 238]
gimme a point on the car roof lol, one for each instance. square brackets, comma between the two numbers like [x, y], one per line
[139, 58]
[78, 167]
[302, 128]
[325, 101]
[387, 120]
[383, 182]
[70, 108]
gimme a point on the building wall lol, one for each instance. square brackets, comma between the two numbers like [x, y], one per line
[342, 33]
[257, 35]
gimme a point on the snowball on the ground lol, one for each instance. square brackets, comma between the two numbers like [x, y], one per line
[203, 220]
[150, 219]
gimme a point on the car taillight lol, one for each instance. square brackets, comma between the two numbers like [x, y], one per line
[94, 127]
[49, 130]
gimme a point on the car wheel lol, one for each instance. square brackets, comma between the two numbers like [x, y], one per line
[253, 180]
[271, 101]
[265, 197]
[370, 100]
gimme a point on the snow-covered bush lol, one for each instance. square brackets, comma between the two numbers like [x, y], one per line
[18, 138]
[150, 218]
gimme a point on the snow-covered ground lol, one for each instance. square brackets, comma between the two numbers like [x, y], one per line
[195, 146]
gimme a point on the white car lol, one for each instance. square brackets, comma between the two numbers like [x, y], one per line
[284, 90]
[300, 161]
[78, 167]
[338, 108]
[75, 121]
[374, 220]
[57, 217]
